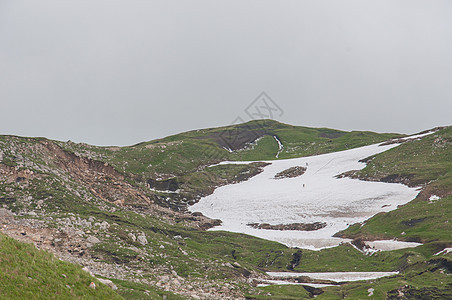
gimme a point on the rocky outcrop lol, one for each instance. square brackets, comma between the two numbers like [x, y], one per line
[291, 172]
[142, 239]
[239, 137]
[102, 179]
[171, 184]
[293, 226]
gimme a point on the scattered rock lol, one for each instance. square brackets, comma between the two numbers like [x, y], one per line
[5, 215]
[119, 202]
[104, 225]
[142, 239]
[87, 271]
[132, 237]
[108, 283]
[93, 240]
[293, 226]
[291, 172]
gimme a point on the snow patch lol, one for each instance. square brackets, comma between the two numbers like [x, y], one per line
[335, 276]
[280, 145]
[417, 136]
[282, 282]
[228, 149]
[165, 191]
[433, 198]
[444, 251]
[388, 245]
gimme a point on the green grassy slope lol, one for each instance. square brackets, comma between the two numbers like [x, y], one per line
[428, 160]
[431, 281]
[427, 163]
[422, 275]
[417, 221]
[26, 272]
[186, 152]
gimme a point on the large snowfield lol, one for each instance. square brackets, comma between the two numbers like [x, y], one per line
[315, 196]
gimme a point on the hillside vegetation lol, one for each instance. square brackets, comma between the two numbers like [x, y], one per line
[120, 211]
[427, 163]
[186, 152]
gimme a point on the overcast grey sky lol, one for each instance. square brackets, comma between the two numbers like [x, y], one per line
[120, 72]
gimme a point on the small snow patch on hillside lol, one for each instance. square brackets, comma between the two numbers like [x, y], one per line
[280, 145]
[433, 198]
[444, 251]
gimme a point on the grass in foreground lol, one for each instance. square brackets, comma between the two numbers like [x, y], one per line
[26, 272]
